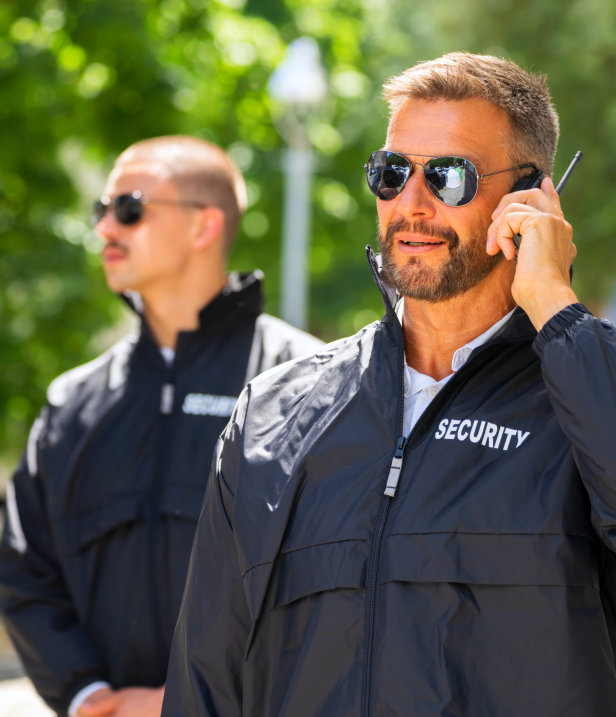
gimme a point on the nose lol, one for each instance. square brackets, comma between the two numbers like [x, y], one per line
[107, 226]
[416, 199]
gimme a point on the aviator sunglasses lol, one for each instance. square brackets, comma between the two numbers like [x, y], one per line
[128, 208]
[452, 180]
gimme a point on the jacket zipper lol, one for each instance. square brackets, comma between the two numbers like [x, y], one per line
[377, 540]
[389, 494]
[153, 518]
[395, 468]
[167, 394]
[371, 586]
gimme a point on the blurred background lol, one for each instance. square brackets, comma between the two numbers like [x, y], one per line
[80, 81]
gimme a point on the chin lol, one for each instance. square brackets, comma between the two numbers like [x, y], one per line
[116, 285]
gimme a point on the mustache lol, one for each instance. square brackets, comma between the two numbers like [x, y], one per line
[113, 244]
[424, 229]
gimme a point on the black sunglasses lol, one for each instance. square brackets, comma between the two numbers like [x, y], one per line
[128, 208]
[452, 180]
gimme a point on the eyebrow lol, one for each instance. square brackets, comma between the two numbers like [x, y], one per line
[463, 155]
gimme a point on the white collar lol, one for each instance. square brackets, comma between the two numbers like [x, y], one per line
[461, 355]
[168, 354]
[415, 381]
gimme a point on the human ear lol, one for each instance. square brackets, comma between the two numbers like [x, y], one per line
[210, 227]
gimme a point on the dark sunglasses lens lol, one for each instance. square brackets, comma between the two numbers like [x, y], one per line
[127, 208]
[453, 180]
[386, 174]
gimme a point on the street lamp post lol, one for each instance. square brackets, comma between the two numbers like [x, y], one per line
[298, 83]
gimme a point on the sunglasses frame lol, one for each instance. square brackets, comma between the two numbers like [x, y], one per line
[102, 205]
[432, 189]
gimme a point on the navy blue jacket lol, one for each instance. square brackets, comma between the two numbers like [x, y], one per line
[481, 587]
[102, 511]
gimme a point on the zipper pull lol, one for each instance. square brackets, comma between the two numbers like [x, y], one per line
[167, 394]
[395, 468]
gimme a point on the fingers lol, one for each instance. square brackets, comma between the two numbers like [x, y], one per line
[101, 703]
[544, 198]
[515, 220]
[519, 213]
[548, 188]
[139, 702]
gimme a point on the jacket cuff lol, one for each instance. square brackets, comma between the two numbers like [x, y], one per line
[83, 695]
[559, 324]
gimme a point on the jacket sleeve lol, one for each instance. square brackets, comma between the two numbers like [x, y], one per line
[275, 342]
[54, 648]
[207, 655]
[578, 361]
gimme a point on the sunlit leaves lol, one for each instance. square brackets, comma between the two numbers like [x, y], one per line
[82, 80]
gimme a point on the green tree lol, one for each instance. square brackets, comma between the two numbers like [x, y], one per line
[83, 80]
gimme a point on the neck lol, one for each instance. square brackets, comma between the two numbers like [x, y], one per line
[434, 331]
[174, 309]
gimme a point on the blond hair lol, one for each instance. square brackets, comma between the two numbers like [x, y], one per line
[523, 96]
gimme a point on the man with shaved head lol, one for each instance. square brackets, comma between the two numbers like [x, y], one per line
[102, 510]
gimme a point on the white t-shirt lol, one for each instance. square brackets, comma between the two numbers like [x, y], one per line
[420, 389]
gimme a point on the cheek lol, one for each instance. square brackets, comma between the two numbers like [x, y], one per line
[171, 243]
[481, 219]
[385, 211]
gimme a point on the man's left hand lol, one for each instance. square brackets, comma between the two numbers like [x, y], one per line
[541, 285]
[127, 702]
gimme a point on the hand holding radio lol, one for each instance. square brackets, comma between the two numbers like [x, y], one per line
[541, 285]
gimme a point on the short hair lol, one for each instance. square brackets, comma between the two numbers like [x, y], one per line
[523, 96]
[201, 171]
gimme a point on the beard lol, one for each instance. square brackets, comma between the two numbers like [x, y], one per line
[466, 267]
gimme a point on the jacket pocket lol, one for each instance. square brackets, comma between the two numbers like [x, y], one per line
[490, 559]
[306, 571]
[182, 501]
[76, 533]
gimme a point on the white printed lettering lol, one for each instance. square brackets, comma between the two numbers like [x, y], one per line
[510, 432]
[476, 437]
[462, 434]
[453, 426]
[488, 436]
[205, 404]
[442, 427]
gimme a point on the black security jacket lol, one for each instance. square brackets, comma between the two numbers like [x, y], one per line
[102, 511]
[478, 588]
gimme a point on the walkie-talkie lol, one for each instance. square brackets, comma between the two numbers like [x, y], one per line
[534, 180]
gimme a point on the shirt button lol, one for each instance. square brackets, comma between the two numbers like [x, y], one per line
[434, 390]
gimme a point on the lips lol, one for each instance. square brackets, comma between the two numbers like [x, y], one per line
[421, 243]
[113, 252]
[419, 240]
[417, 237]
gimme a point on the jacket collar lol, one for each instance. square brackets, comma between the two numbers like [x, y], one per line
[388, 292]
[241, 299]
[242, 295]
[240, 288]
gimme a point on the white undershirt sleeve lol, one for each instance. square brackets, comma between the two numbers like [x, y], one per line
[83, 695]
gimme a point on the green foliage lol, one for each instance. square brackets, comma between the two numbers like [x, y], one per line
[81, 81]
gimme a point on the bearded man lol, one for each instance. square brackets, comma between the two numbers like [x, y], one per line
[419, 520]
